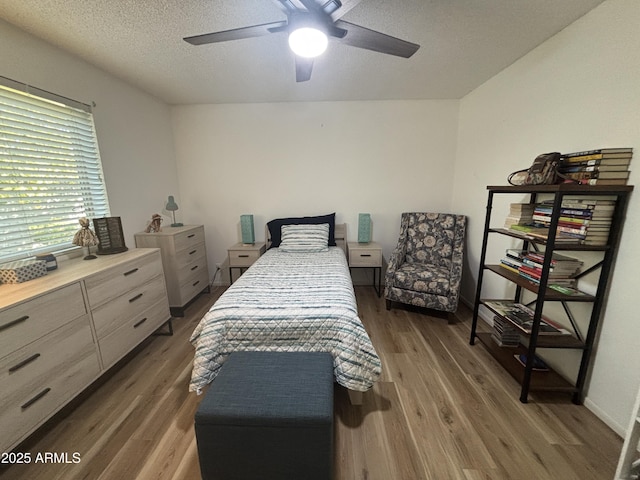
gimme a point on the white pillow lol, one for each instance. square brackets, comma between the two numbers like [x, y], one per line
[305, 238]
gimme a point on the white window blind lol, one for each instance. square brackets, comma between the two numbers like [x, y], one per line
[50, 171]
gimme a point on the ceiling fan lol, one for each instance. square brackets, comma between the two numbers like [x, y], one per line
[310, 23]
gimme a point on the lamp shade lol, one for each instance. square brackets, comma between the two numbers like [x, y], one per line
[364, 228]
[246, 229]
[172, 206]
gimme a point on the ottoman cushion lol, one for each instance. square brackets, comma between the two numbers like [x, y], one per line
[268, 415]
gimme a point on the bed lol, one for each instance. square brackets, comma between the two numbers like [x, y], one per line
[295, 297]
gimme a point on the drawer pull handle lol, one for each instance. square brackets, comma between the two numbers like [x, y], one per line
[14, 322]
[191, 236]
[193, 268]
[243, 256]
[137, 297]
[35, 399]
[130, 272]
[26, 361]
[365, 254]
[140, 322]
[195, 283]
[192, 252]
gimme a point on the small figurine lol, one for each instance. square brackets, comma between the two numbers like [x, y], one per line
[85, 238]
[155, 224]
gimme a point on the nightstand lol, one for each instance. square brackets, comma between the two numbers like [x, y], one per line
[367, 255]
[242, 256]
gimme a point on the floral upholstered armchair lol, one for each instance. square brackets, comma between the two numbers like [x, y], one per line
[425, 269]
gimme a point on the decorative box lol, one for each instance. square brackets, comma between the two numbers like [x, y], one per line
[22, 271]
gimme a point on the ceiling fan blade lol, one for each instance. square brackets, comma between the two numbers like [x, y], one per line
[327, 7]
[362, 37]
[330, 6]
[334, 31]
[235, 34]
[286, 6]
[345, 6]
[310, 5]
[304, 66]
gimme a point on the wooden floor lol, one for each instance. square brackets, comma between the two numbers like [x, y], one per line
[442, 410]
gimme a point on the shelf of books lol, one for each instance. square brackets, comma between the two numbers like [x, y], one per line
[545, 379]
[554, 227]
[553, 292]
[575, 245]
[520, 319]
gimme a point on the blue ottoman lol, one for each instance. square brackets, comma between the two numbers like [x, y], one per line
[268, 416]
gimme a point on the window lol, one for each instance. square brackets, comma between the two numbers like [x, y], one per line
[50, 170]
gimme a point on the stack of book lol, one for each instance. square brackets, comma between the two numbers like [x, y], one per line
[521, 317]
[528, 264]
[595, 214]
[585, 220]
[504, 333]
[606, 166]
[519, 214]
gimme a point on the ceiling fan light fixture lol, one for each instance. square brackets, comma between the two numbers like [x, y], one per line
[308, 42]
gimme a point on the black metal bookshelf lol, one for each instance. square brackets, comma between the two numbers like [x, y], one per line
[530, 379]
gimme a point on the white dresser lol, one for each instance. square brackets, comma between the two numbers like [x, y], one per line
[184, 258]
[60, 332]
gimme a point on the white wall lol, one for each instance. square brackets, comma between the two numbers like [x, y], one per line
[296, 159]
[580, 90]
[133, 128]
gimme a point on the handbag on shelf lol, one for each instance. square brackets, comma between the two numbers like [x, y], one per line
[543, 171]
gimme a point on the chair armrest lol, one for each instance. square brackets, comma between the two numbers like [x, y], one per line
[395, 261]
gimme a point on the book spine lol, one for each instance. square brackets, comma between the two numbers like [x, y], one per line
[577, 212]
[529, 266]
[509, 267]
[604, 181]
[569, 221]
[576, 231]
[584, 175]
[581, 157]
[598, 153]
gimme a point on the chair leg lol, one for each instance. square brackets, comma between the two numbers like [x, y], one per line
[388, 304]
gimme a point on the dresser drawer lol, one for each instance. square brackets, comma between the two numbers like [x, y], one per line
[120, 279]
[68, 363]
[190, 255]
[33, 319]
[29, 368]
[123, 339]
[193, 285]
[365, 257]
[243, 258]
[122, 309]
[189, 269]
[189, 238]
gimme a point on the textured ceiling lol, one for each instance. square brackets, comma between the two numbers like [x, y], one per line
[463, 44]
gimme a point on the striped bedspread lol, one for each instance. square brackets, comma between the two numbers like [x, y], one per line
[289, 302]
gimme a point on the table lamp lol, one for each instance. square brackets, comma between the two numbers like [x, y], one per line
[364, 228]
[172, 206]
[246, 229]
